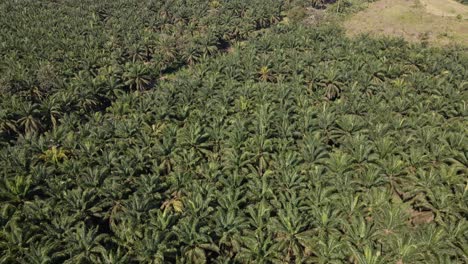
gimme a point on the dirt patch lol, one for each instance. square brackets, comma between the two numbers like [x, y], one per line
[314, 16]
[433, 21]
[446, 8]
[419, 218]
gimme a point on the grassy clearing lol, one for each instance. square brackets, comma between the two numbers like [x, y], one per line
[446, 8]
[435, 21]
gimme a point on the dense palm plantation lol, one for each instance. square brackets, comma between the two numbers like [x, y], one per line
[76, 56]
[226, 136]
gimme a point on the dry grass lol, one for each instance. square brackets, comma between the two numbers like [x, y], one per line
[439, 22]
[446, 8]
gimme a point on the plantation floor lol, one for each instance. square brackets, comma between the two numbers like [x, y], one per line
[440, 22]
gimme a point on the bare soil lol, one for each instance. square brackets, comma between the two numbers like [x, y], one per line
[439, 22]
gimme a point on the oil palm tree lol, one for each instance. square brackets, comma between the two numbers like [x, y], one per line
[196, 243]
[137, 76]
[29, 120]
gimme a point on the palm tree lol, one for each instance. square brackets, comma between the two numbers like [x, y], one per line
[118, 256]
[29, 120]
[41, 253]
[264, 74]
[16, 189]
[196, 243]
[195, 138]
[166, 149]
[313, 150]
[258, 247]
[328, 250]
[84, 245]
[137, 76]
[366, 256]
[7, 122]
[229, 226]
[293, 235]
[51, 111]
[13, 240]
[192, 55]
[330, 81]
[156, 246]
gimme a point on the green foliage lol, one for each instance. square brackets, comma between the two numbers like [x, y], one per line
[85, 53]
[292, 145]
